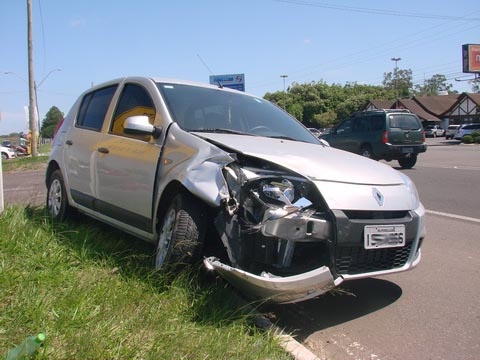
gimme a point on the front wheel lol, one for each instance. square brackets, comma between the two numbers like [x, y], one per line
[408, 162]
[181, 233]
[57, 202]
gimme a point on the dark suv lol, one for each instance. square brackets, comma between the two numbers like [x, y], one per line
[381, 134]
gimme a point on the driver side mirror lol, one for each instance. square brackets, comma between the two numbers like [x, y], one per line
[140, 125]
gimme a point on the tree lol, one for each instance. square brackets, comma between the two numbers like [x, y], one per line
[475, 85]
[317, 104]
[433, 85]
[50, 122]
[399, 80]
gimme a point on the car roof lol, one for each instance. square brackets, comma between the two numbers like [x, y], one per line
[166, 80]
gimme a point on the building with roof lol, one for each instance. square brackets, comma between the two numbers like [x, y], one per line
[441, 110]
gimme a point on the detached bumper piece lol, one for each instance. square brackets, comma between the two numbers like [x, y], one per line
[273, 288]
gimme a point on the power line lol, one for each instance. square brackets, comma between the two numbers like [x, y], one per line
[377, 11]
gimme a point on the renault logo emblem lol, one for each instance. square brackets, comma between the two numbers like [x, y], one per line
[378, 196]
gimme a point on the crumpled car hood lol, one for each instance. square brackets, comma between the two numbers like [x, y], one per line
[316, 162]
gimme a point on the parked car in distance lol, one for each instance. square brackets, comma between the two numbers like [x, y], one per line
[466, 129]
[207, 172]
[451, 130]
[7, 153]
[381, 134]
[434, 131]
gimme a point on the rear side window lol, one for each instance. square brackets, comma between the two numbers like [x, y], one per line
[377, 122]
[94, 108]
[404, 122]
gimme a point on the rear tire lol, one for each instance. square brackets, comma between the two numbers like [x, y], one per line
[181, 233]
[408, 162]
[366, 151]
[57, 201]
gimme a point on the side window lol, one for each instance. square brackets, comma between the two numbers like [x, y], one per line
[134, 100]
[377, 123]
[94, 108]
[345, 127]
[361, 124]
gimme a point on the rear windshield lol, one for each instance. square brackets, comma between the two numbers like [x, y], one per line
[404, 122]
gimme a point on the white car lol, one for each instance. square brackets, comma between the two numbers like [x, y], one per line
[434, 131]
[451, 130]
[7, 153]
[206, 172]
[466, 129]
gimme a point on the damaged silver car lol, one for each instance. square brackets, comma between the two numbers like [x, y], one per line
[210, 173]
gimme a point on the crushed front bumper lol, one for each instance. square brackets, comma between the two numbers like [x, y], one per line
[277, 289]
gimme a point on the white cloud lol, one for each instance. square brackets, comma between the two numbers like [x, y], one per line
[78, 22]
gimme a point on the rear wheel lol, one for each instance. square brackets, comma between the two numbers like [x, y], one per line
[408, 162]
[57, 202]
[181, 232]
[366, 151]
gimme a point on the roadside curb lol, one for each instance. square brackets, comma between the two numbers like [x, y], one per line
[287, 342]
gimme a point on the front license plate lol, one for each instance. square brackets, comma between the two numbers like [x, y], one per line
[407, 150]
[384, 236]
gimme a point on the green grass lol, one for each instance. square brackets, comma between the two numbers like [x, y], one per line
[25, 163]
[93, 292]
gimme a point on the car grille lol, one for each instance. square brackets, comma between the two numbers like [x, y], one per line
[356, 260]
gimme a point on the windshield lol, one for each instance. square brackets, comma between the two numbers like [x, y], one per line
[200, 109]
[404, 121]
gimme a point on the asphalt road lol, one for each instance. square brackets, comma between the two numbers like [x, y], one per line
[24, 187]
[431, 312]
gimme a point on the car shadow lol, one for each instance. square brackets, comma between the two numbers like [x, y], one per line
[350, 301]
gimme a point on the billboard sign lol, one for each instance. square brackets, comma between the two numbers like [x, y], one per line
[471, 58]
[232, 81]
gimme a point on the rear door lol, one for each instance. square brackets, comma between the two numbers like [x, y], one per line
[81, 144]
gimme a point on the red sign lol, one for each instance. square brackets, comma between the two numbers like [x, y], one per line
[471, 58]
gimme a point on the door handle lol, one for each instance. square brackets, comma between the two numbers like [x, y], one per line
[69, 142]
[103, 150]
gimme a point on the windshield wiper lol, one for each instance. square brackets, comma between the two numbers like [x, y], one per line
[283, 137]
[223, 131]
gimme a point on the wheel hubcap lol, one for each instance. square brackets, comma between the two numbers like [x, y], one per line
[165, 238]
[55, 197]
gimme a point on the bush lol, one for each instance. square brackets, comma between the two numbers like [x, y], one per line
[476, 136]
[467, 139]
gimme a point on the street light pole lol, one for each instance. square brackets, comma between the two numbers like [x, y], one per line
[284, 91]
[396, 79]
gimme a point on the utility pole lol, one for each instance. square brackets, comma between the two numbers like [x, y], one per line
[31, 84]
[396, 79]
[284, 92]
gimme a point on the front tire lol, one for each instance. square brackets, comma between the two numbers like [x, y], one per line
[57, 202]
[181, 232]
[408, 162]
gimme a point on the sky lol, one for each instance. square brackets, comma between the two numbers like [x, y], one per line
[78, 44]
